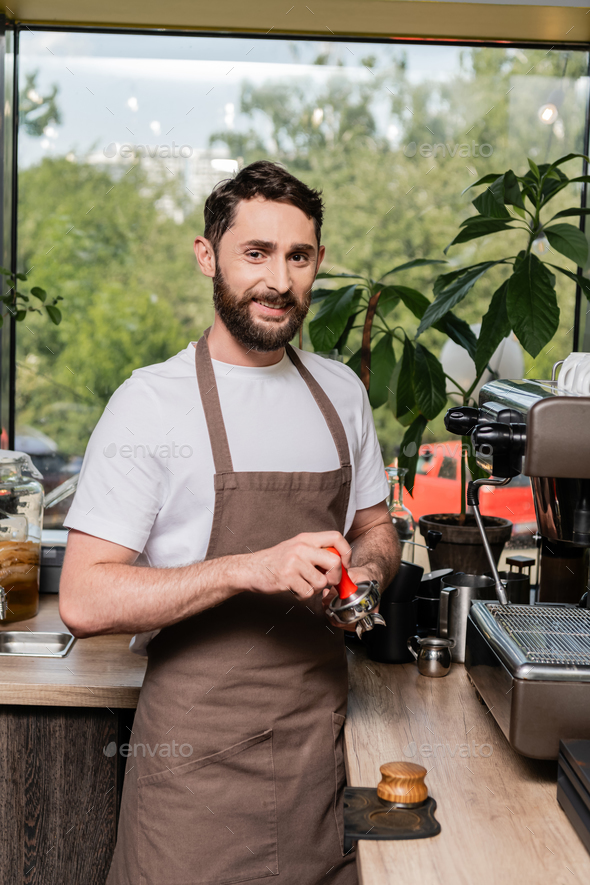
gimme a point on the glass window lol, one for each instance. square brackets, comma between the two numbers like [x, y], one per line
[122, 137]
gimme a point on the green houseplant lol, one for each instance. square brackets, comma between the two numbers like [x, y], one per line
[368, 304]
[414, 382]
[525, 303]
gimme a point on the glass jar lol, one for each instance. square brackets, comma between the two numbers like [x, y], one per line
[21, 522]
[400, 515]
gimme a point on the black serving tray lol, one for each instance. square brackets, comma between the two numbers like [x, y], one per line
[366, 816]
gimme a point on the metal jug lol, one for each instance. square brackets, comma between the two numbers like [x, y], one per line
[434, 657]
[456, 596]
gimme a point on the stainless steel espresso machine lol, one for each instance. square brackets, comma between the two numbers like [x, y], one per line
[531, 663]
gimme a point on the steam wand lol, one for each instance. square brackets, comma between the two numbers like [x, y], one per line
[473, 501]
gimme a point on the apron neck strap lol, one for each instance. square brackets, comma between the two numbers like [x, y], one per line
[325, 406]
[214, 417]
[212, 406]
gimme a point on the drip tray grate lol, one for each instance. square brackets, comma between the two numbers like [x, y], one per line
[546, 634]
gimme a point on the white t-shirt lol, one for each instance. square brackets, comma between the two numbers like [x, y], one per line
[147, 477]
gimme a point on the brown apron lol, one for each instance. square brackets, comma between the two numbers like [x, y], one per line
[253, 694]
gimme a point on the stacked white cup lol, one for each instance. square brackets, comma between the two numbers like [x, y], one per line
[574, 377]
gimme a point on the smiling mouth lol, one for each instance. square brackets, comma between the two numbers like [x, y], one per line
[271, 308]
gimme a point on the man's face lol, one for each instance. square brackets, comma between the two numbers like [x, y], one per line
[265, 268]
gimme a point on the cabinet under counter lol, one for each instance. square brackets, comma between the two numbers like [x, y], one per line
[61, 721]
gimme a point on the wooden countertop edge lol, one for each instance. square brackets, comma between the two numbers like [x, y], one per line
[56, 695]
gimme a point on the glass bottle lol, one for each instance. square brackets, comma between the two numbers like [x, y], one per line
[400, 515]
[21, 521]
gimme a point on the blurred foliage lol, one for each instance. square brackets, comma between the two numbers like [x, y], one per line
[127, 274]
[96, 235]
[37, 111]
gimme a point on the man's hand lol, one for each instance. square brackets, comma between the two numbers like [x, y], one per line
[301, 564]
[358, 575]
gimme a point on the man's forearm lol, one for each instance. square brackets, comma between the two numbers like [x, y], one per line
[103, 591]
[377, 550]
[122, 598]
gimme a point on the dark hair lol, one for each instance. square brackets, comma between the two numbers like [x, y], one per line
[265, 179]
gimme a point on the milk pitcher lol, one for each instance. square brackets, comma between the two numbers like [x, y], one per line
[457, 594]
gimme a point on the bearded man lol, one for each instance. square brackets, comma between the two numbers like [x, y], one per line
[210, 490]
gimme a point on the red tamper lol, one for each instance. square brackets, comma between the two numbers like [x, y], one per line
[355, 603]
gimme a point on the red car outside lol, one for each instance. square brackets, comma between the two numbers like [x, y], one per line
[437, 489]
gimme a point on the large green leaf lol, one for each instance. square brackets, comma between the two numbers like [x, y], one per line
[429, 383]
[490, 203]
[458, 285]
[570, 241]
[388, 299]
[552, 186]
[458, 331]
[413, 300]
[582, 281]
[343, 339]
[445, 279]
[409, 450]
[415, 262]
[402, 400]
[330, 321]
[512, 194]
[491, 176]
[354, 362]
[382, 366]
[479, 227]
[531, 303]
[568, 213]
[495, 326]
[320, 294]
[569, 157]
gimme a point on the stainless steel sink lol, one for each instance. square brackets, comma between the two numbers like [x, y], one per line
[37, 645]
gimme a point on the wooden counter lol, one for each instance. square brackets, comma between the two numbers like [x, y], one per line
[501, 823]
[61, 722]
[96, 672]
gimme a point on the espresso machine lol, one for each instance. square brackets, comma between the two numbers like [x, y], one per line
[531, 663]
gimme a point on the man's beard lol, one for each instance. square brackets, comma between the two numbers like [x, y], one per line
[264, 335]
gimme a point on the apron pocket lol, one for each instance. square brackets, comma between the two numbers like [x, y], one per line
[339, 775]
[212, 820]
